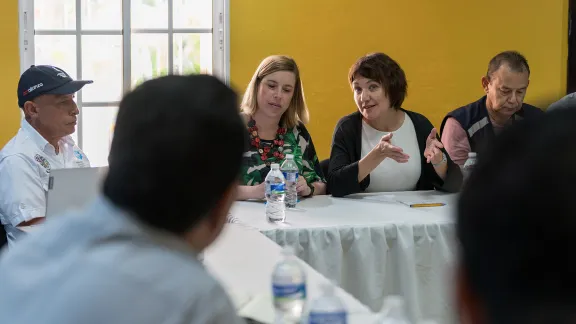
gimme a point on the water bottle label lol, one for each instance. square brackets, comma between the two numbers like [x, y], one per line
[291, 176]
[277, 188]
[328, 318]
[282, 292]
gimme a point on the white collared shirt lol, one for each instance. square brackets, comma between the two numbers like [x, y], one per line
[25, 164]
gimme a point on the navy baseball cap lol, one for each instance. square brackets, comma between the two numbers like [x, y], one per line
[46, 79]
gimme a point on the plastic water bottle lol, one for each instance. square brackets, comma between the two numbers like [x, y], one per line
[290, 171]
[275, 193]
[469, 165]
[393, 311]
[328, 309]
[289, 288]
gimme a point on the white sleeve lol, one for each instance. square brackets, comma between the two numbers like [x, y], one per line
[22, 194]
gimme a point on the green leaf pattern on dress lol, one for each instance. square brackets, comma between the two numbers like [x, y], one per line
[298, 142]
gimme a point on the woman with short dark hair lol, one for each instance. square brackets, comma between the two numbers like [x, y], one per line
[383, 147]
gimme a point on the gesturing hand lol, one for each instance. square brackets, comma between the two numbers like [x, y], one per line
[433, 152]
[391, 151]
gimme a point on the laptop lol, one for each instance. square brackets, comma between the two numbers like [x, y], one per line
[72, 189]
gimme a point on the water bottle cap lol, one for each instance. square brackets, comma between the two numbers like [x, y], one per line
[289, 156]
[472, 154]
[275, 166]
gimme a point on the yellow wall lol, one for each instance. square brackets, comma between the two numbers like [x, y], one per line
[10, 59]
[444, 46]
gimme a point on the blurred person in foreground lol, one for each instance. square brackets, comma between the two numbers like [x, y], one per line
[131, 256]
[515, 224]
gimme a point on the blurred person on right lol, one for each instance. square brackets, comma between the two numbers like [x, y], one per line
[516, 225]
[471, 127]
[568, 101]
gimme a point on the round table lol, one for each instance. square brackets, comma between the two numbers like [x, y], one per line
[373, 245]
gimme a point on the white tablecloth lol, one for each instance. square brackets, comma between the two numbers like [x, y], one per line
[373, 248]
[242, 259]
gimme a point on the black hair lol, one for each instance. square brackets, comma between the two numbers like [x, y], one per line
[513, 59]
[516, 223]
[384, 70]
[177, 148]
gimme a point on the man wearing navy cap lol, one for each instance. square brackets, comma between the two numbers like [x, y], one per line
[43, 143]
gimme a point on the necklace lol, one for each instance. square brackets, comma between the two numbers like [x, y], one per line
[275, 149]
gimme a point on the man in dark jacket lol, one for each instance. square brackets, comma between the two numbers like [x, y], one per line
[467, 129]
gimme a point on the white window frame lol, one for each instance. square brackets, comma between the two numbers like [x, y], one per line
[220, 43]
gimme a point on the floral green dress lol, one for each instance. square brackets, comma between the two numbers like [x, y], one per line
[296, 141]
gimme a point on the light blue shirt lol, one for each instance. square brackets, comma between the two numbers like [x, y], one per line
[102, 266]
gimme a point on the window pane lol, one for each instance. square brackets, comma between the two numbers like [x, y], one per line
[75, 136]
[55, 14]
[149, 14]
[101, 14]
[192, 53]
[149, 57]
[97, 130]
[102, 62]
[55, 50]
[192, 13]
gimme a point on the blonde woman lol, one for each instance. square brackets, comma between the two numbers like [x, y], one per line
[275, 112]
